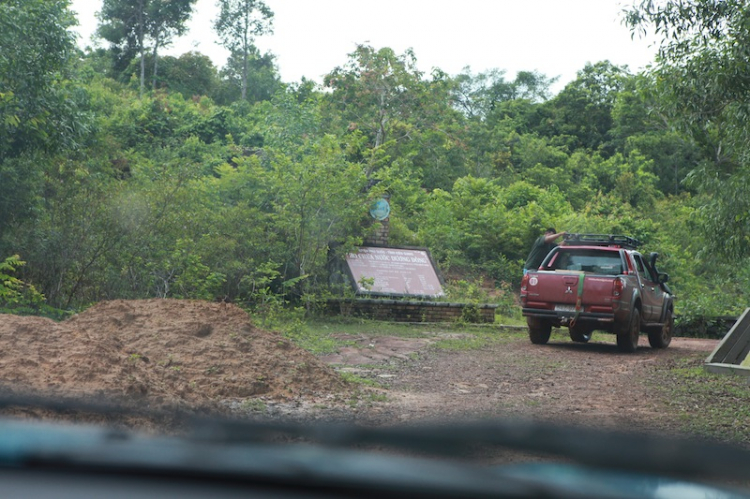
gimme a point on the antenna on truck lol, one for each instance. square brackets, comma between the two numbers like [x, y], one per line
[601, 240]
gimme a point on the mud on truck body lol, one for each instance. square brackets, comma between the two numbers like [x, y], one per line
[599, 282]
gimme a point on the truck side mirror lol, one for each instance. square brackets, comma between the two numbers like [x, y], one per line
[663, 278]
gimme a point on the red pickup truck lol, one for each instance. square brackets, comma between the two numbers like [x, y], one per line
[599, 282]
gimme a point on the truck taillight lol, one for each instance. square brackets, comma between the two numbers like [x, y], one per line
[617, 287]
[524, 283]
[524, 286]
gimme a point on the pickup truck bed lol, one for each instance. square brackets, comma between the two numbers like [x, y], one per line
[598, 287]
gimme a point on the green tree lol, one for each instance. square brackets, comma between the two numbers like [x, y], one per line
[238, 24]
[500, 116]
[123, 25]
[492, 226]
[41, 109]
[35, 51]
[261, 79]
[639, 124]
[583, 109]
[391, 113]
[473, 94]
[191, 74]
[480, 95]
[374, 89]
[14, 292]
[132, 27]
[167, 20]
[69, 244]
[703, 79]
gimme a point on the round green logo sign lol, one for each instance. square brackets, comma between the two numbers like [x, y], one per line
[380, 209]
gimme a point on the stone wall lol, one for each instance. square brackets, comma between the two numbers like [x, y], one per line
[414, 311]
[379, 235]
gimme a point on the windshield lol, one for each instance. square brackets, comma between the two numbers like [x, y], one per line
[202, 249]
[587, 260]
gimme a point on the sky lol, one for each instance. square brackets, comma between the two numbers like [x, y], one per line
[312, 37]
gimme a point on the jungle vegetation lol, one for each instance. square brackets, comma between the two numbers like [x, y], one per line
[125, 173]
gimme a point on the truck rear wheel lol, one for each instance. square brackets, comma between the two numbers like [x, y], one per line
[627, 337]
[661, 338]
[539, 330]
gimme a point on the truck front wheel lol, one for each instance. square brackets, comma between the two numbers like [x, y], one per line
[662, 337]
[539, 330]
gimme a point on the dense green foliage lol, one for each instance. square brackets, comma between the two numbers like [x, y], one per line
[234, 185]
[703, 89]
[135, 27]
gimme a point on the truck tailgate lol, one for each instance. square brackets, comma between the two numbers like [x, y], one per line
[564, 288]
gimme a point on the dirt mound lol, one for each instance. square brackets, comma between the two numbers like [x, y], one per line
[164, 352]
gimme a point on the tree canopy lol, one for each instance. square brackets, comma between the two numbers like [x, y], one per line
[703, 85]
[132, 27]
[228, 183]
[238, 24]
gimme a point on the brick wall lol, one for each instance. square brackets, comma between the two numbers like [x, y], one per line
[414, 311]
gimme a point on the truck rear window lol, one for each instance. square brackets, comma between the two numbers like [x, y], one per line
[595, 261]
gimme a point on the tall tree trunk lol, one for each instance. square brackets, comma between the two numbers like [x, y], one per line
[141, 38]
[245, 50]
[244, 76]
[383, 119]
[156, 62]
[143, 71]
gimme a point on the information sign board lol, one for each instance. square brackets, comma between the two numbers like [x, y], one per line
[394, 271]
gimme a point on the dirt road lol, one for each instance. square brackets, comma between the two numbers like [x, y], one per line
[589, 384]
[186, 354]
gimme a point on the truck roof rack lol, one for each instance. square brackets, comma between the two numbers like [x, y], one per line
[601, 240]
